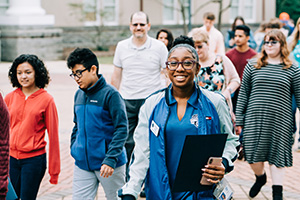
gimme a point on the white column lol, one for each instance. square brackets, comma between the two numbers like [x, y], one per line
[26, 12]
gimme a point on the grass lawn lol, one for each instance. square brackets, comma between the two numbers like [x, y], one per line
[106, 59]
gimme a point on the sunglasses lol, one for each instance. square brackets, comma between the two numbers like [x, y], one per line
[141, 25]
[199, 47]
[272, 43]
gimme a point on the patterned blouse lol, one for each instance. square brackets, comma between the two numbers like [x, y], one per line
[211, 77]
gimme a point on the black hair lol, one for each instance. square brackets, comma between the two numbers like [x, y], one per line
[188, 43]
[83, 56]
[244, 28]
[41, 73]
[169, 37]
[183, 39]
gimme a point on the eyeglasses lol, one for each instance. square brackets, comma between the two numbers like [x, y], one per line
[272, 43]
[78, 73]
[187, 64]
[142, 25]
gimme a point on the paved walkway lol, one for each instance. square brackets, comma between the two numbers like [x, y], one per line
[62, 88]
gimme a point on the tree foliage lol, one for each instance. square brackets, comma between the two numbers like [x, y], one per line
[289, 6]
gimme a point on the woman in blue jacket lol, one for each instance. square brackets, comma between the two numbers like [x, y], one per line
[164, 121]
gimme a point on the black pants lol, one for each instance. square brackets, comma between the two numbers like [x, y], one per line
[132, 108]
[26, 175]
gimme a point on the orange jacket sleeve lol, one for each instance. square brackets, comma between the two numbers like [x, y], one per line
[51, 119]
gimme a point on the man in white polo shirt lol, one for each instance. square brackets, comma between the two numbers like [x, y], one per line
[138, 63]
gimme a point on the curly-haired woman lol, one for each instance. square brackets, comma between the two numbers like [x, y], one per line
[264, 111]
[32, 112]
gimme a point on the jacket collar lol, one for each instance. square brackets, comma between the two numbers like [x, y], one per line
[41, 90]
[97, 86]
[193, 100]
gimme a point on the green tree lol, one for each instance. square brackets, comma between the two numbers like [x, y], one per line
[289, 6]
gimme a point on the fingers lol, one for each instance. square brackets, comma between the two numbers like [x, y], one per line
[106, 171]
[213, 173]
[238, 130]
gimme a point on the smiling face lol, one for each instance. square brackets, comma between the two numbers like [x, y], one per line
[182, 78]
[139, 26]
[272, 49]
[26, 75]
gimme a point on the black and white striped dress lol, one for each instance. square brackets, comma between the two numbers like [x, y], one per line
[264, 108]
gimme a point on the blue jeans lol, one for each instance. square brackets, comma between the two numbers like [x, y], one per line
[26, 175]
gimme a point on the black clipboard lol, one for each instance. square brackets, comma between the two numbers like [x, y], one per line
[197, 149]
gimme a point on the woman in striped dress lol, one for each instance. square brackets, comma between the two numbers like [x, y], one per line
[264, 111]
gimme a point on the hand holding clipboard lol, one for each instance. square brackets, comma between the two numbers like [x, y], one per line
[213, 172]
[196, 151]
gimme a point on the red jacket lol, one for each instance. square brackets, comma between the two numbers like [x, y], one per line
[4, 148]
[29, 119]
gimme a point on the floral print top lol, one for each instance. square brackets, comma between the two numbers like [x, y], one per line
[211, 77]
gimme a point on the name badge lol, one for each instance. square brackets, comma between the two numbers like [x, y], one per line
[154, 128]
[223, 191]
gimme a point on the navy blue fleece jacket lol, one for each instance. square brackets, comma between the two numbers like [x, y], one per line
[101, 127]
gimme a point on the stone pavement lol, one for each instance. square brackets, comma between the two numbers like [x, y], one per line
[62, 88]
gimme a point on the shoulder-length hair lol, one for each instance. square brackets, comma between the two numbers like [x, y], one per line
[170, 37]
[41, 73]
[295, 36]
[233, 25]
[275, 35]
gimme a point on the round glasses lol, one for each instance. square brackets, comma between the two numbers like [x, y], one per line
[187, 64]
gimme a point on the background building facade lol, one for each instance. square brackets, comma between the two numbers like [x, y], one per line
[100, 24]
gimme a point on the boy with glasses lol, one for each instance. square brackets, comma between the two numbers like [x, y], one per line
[100, 130]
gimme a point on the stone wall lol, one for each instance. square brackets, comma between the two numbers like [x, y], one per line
[51, 43]
[45, 42]
[106, 38]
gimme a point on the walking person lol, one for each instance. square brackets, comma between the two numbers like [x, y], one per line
[264, 112]
[4, 148]
[217, 73]
[175, 112]
[32, 112]
[216, 39]
[100, 130]
[239, 56]
[138, 63]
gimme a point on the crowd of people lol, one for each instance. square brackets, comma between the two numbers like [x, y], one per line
[129, 135]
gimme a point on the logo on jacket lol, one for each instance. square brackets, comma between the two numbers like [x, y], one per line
[194, 120]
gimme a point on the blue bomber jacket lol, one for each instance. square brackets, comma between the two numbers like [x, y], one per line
[152, 164]
[101, 127]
